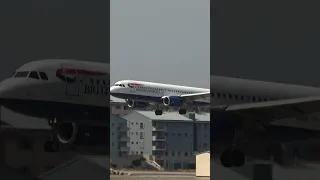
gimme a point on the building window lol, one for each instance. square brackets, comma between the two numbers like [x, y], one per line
[172, 153]
[179, 153]
[141, 126]
[166, 153]
[186, 154]
[141, 135]
[141, 153]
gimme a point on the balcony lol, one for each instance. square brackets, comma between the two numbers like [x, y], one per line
[159, 148]
[123, 129]
[158, 138]
[124, 149]
[123, 139]
[159, 128]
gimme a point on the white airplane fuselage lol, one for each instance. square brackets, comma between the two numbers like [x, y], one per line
[142, 91]
[227, 90]
[69, 90]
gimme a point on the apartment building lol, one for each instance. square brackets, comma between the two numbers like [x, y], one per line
[118, 137]
[171, 139]
[118, 106]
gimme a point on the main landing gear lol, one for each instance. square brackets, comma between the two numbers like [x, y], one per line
[233, 157]
[52, 145]
[158, 112]
[182, 111]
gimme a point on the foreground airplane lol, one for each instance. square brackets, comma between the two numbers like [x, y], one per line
[242, 106]
[65, 92]
[141, 93]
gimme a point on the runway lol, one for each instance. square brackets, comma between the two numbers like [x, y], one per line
[158, 178]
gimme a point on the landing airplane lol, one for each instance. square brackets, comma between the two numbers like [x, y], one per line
[141, 93]
[65, 92]
[240, 106]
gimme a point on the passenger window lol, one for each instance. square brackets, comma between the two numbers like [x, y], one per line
[21, 74]
[34, 75]
[43, 76]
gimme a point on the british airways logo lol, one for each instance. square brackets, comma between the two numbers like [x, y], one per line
[69, 75]
[134, 85]
[97, 85]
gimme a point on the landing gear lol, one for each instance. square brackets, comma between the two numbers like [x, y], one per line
[158, 112]
[232, 158]
[182, 111]
[51, 146]
[53, 122]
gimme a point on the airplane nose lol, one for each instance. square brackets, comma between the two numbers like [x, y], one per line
[6, 91]
[112, 89]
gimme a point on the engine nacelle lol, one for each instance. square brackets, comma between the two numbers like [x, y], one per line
[67, 132]
[136, 104]
[172, 101]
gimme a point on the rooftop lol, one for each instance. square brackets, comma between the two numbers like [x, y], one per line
[170, 116]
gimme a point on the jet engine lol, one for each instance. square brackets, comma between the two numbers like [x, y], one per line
[67, 132]
[172, 101]
[136, 104]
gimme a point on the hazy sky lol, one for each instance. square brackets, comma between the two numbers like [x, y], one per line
[165, 41]
[267, 40]
[36, 29]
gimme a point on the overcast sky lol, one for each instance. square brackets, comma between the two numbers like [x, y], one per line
[33, 30]
[166, 41]
[266, 40]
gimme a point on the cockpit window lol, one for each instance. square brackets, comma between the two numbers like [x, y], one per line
[43, 76]
[121, 85]
[21, 74]
[34, 75]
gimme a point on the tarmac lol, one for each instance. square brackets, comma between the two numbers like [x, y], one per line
[267, 171]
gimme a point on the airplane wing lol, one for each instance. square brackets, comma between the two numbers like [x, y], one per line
[271, 110]
[195, 96]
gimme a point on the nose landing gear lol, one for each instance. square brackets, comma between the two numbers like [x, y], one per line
[52, 145]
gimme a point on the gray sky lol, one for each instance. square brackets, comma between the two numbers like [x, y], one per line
[266, 40]
[166, 41]
[32, 30]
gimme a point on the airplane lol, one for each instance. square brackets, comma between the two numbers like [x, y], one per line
[67, 93]
[142, 93]
[243, 108]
